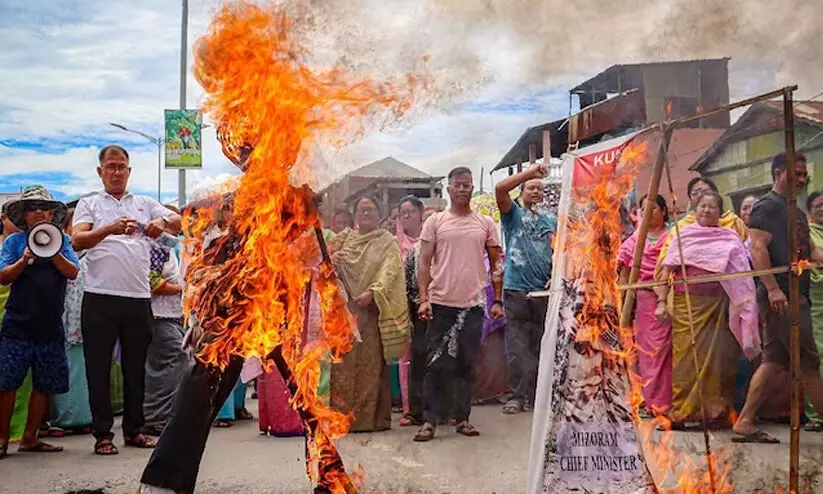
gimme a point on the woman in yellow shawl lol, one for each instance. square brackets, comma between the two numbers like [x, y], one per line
[368, 263]
[707, 248]
[695, 188]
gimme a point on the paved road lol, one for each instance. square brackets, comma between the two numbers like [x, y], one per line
[239, 460]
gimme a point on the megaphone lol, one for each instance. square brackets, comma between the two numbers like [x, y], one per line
[45, 240]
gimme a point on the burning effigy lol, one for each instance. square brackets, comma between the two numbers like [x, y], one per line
[254, 250]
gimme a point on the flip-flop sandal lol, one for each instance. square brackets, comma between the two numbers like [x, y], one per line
[223, 424]
[51, 431]
[512, 407]
[467, 430]
[39, 447]
[104, 447]
[140, 441]
[409, 421]
[425, 434]
[154, 430]
[757, 436]
[813, 427]
[243, 414]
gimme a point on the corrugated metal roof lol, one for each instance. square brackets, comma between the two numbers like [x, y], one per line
[519, 153]
[615, 69]
[810, 111]
[388, 167]
[626, 110]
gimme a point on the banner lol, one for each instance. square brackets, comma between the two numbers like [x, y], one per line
[183, 139]
[584, 437]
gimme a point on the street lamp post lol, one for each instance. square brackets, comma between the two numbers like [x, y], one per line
[184, 29]
[157, 141]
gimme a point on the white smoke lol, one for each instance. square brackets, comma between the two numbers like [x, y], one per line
[516, 43]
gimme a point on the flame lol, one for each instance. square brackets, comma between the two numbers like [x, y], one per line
[668, 109]
[801, 265]
[595, 242]
[593, 245]
[250, 296]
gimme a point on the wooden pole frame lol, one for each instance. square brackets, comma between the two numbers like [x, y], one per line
[628, 300]
[654, 185]
[794, 294]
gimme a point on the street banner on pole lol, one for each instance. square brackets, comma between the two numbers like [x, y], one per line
[183, 139]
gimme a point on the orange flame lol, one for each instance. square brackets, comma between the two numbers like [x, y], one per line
[269, 105]
[802, 265]
[668, 109]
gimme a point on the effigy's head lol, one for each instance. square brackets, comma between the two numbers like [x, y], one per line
[236, 144]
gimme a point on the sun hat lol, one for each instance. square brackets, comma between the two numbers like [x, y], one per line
[16, 210]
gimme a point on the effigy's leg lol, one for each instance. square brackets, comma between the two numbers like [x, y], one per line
[175, 462]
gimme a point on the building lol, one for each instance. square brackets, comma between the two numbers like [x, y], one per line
[623, 98]
[627, 98]
[739, 162]
[388, 180]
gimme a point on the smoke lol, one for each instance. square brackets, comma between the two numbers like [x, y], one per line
[511, 44]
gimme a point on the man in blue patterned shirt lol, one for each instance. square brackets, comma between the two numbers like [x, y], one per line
[528, 238]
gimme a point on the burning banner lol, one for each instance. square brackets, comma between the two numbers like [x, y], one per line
[254, 250]
[583, 434]
[586, 433]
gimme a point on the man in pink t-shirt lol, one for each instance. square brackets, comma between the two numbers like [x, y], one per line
[452, 282]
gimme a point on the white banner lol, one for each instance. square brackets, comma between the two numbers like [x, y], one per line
[583, 435]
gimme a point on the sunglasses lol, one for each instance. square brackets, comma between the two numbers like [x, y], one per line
[37, 206]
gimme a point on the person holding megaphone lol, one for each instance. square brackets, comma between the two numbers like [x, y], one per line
[36, 262]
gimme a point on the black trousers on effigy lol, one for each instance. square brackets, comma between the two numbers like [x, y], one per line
[175, 462]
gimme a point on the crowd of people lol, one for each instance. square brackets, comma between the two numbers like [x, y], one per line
[701, 346]
[100, 326]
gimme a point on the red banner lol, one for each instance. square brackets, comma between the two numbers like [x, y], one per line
[588, 167]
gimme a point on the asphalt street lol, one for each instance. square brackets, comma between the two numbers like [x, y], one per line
[240, 460]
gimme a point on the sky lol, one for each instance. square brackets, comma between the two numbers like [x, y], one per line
[71, 67]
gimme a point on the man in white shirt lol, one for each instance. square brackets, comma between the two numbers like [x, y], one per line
[113, 226]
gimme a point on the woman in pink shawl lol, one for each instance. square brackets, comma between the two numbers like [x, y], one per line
[413, 364]
[653, 337]
[723, 314]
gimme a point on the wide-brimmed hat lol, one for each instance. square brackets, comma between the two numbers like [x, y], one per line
[35, 193]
